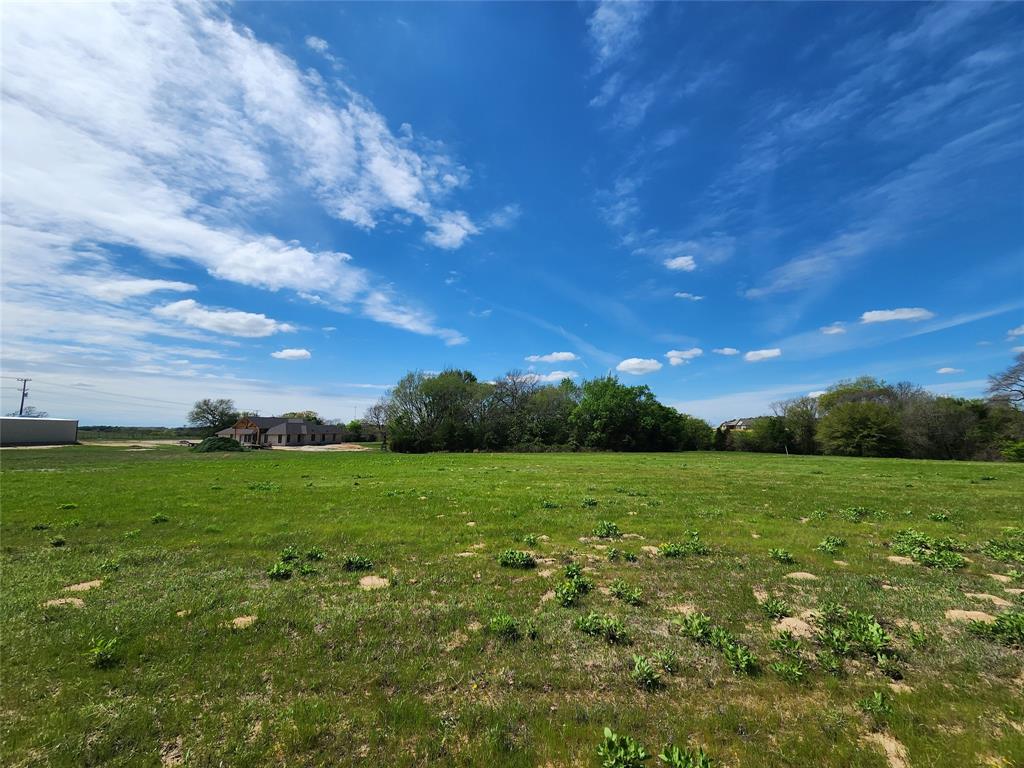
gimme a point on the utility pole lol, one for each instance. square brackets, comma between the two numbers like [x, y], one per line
[24, 393]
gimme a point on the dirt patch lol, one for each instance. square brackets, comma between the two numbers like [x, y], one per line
[685, 608]
[241, 622]
[1001, 578]
[1013, 591]
[894, 751]
[85, 586]
[545, 573]
[991, 598]
[182, 613]
[474, 626]
[547, 596]
[74, 602]
[760, 594]
[801, 576]
[755, 535]
[457, 640]
[478, 545]
[841, 562]
[898, 687]
[798, 627]
[465, 554]
[650, 550]
[901, 560]
[171, 753]
[373, 582]
[958, 615]
[471, 523]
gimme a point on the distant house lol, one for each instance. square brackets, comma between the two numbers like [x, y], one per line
[739, 425]
[277, 430]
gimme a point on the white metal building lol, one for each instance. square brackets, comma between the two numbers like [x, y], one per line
[22, 430]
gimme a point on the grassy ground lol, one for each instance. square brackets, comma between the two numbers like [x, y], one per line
[411, 674]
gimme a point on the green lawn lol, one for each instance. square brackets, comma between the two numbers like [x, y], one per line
[411, 674]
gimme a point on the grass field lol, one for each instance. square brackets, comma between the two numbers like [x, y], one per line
[416, 672]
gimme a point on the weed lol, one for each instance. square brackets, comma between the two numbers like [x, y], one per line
[549, 505]
[160, 518]
[573, 571]
[614, 554]
[786, 644]
[289, 554]
[923, 549]
[836, 640]
[132, 534]
[504, 626]
[631, 557]
[315, 553]
[530, 540]
[1008, 548]
[67, 506]
[1008, 629]
[830, 662]
[280, 571]
[357, 563]
[917, 638]
[530, 630]
[264, 485]
[780, 555]
[109, 566]
[607, 530]
[512, 558]
[618, 751]
[792, 670]
[58, 541]
[740, 659]
[625, 593]
[674, 757]
[938, 517]
[858, 514]
[308, 570]
[830, 544]
[589, 502]
[102, 653]
[41, 527]
[568, 593]
[889, 666]
[691, 546]
[666, 660]
[611, 629]
[696, 626]
[877, 707]
[645, 674]
[777, 608]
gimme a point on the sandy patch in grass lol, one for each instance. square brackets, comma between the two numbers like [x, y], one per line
[547, 596]
[901, 560]
[85, 586]
[171, 754]
[182, 613]
[471, 523]
[545, 573]
[478, 545]
[373, 582]
[457, 640]
[755, 535]
[474, 626]
[798, 627]
[74, 602]
[895, 752]
[465, 554]
[1013, 591]
[841, 562]
[760, 594]
[958, 615]
[650, 550]
[685, 608]
[241, 622]
[801, 576]
[1001, 578]
[991, 598]
[897, 687]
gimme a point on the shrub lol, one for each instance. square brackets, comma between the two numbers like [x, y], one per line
[606, 529]
[645, 674]
[618, 751]
[504, 626]
[776, 607]
[674, 757]
[211, 444]
[780, 555]
[1014, 451]
[280, 571]
[625, 593]
[512, 558]
[1008, 629]
[102, 653]
[357, 563]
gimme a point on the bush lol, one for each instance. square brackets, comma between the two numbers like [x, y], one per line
[212, 444]
[607, 530]
[1013, 451]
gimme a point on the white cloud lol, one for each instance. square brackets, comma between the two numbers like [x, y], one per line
[681, 263]
[505, 217]
[912, 314]
[757, 355]
[117, 290]
[552, 357]
[227, 321]
[688, 296]
[1017, 350]
[727, 351]
[450, 230]
[947, 371]
[382, 307]
[1015, 332]
[816, 393]
[318, 44]
[615, 29]
[292, 354]
[680, 356]
[637, 366]
[554, 376]
[834, 329]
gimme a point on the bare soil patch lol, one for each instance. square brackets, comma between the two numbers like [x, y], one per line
[85, 586]
[958, 615]
[171, 753]
[901, 560]
[894, 751]
[801, 576]
[241, 622]
[373, 582]
[1001, 578]
[1002, 603]
[684, 608]
[798, 627]
[74, 602]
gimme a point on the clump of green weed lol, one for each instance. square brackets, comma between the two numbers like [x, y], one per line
[41, 527]
[513, 558]
[780, 555]
[645, 674]
[110, 565]
[102, 653]
[830, 544]
[264, 485]
[858, 514]
[504, 626]
[315, 553]
[289, 554]
[917, 638]
[627, 594]
[568, 593]
[695, 626]
[606, 529]
[132, 534]
[787, 644]
[58, 541]
[699, 627]
[776, 607]
[1008, 629]
[357, 563]
[938, 517]
[611, 629]
[306, 569]
[280, 571]
[845, 632]
[739, 658]
[618, 751]
[530, 540]
[790, 670]
[549, 505]
[923, 549]
[692, 545]
[159, 518]
[674, 757]
[67, 506]
[615, 554]
[877, 707]
[830, 662]
[1009, 547]
[589, 502]
[666, 660]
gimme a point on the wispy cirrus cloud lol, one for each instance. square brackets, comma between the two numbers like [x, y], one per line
[231, 322]
[913, 314]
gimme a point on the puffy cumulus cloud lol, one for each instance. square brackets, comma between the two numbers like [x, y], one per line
[230, 322]
[549, 378]
[757, 355]
[833, 329]
[947, 371]
[450, 230]
[552, 357]
[292, 354]
[913, 314]
[727, 351]
[637, 366]
[318, 44]
[681, 264]
[680, 356]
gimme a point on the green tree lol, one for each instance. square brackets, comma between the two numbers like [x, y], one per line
[213, 415]
[312, 416]
[860, 428]
[355, 430]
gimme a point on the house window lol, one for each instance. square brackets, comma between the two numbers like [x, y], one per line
[279, 439]
[288, 438]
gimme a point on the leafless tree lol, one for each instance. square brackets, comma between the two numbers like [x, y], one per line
[1008, 386]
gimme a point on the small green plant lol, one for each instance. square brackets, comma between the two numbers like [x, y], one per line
[780, 555]
[280, 571]
[938, 517]
[41, 527]
[160, 518]
[928, 551]
[1008, 629]
[102, 653]
[606, 529]
[289, 554]
[568, 593]
[645, 674]
[830, 662]
[786, 643]
[666, 660]
[611, 629]
[549, 505]
[917, 638]
[625, 593]
[110, 566]
[513, 558]
[306, 569]
[618, 751]
[877, 707]
[589, 502]
[315, 553]
[67, 506]
[1009, 548]
[691, 546]
[630, 557]
[696, 626]
[58, 541]
[357, 563]
[614, 554]
[530, 540]
[264, 485]
[573, 571]
[776, 607]
[740, 658]
[830, 544]
[790, 670]
[504, 626]
[674, 757]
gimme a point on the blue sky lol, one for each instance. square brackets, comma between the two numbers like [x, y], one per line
[292, 205]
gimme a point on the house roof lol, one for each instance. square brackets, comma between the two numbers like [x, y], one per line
[744, 422]
[277, 425]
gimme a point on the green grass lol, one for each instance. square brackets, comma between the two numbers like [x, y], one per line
[424, 670]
